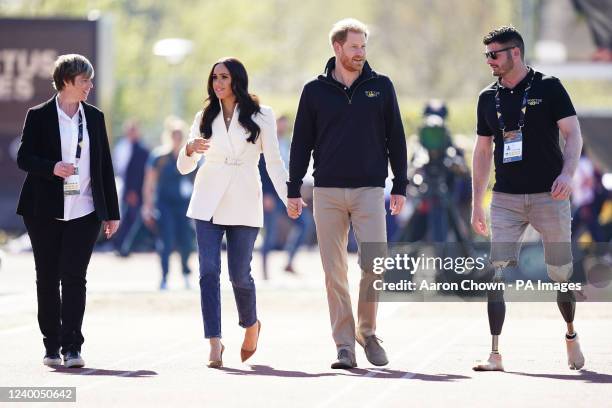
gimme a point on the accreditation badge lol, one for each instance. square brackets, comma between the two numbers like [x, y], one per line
[513, 146]
[71, 184]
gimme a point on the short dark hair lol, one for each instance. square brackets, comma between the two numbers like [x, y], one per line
[506, 35]
[68, 67]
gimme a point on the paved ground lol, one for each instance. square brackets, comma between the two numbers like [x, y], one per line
[146, 348]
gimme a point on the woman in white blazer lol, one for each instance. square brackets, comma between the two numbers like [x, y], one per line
[230, 133]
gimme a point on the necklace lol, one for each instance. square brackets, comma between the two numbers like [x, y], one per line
[228, 119]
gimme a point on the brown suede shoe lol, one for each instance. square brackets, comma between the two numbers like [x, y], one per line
[346, 359]
[374, 352]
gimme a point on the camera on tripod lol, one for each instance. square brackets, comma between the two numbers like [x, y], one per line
[439, 186]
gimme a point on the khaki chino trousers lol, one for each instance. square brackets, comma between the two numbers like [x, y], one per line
[335, 209]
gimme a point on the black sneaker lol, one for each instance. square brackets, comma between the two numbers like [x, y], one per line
[52, 359]
[73, 359]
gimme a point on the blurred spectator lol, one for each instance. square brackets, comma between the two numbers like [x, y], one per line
[588, 197]
[440, 183]
[130, 157]
[435, 107]
[166, 197]
[301, 228]
[598, 14]
[274, 209]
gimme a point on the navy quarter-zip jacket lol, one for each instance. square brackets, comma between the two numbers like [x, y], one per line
[353, 133]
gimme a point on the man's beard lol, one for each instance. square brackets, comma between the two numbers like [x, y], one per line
[347, 64]
[504, 69]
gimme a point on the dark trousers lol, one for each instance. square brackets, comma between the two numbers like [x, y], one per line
[598, 14]
[62, 250]
[175, 231]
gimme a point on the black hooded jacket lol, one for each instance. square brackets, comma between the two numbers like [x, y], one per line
[353, 133]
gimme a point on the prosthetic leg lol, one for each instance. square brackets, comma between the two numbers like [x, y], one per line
[566, 301]
[496, 309]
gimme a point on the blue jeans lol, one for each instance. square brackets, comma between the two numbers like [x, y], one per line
[240, 243]
[175, 229]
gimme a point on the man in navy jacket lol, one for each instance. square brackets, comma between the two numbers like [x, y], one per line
[131, 157]
[349, 119]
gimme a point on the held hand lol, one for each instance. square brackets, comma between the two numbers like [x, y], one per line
[294, 207]
[479, 221]
[63, 169]
[110, 227]
[562, 187]
[397, 203]
[197, 145]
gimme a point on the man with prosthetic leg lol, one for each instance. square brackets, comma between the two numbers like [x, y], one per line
[520, 117]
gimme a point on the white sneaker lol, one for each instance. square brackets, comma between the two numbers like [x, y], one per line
[494, 363]
[575, 358]
[52, 360]
[73, 359]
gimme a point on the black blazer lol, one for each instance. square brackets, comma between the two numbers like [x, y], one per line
[42, 193]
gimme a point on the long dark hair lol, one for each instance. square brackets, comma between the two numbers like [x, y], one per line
[249, 104]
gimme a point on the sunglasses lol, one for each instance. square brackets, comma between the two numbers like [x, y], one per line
[493, 54]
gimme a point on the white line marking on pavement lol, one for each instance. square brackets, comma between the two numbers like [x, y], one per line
[378, 400]
[171, 357]
[88, 372]
[408, 347]
[22, 302]
[18, 329]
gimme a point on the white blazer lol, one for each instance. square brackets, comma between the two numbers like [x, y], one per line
[227, 187]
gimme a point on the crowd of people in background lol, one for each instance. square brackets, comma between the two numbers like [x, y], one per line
[236, 170]
[154, 196]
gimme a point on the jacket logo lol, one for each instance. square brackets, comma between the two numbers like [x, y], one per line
[372, 94]
[533, 102]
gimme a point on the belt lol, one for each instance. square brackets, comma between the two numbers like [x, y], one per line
[230, 161]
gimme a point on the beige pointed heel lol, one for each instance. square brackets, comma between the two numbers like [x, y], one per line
[217, 363]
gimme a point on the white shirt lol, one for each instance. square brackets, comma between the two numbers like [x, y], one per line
[78, 205]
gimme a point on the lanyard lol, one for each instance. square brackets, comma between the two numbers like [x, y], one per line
[521, 121]
[80, 138]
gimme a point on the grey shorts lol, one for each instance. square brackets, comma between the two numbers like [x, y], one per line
[512, 213]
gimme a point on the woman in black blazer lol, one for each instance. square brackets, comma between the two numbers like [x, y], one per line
[68, 194]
